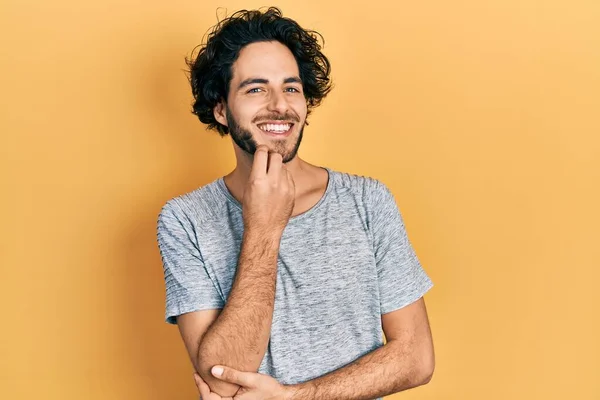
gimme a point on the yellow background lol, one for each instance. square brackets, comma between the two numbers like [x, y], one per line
[482, 116]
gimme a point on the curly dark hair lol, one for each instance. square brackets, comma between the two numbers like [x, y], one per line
[210, 72]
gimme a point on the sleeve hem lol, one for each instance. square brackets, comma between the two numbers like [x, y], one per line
[407, 300]
[172, 313]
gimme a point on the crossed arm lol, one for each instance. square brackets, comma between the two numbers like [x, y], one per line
[405, 361]
[214, 337]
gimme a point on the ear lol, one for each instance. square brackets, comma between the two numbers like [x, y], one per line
[219, 113]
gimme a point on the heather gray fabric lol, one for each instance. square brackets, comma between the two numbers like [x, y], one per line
[341, 265]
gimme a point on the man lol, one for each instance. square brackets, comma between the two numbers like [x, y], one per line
[282, 276]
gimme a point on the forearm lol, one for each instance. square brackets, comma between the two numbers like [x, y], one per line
[240, 335]
[390, 369]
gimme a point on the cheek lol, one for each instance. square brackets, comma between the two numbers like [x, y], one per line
[248, 113]
[243, 118]
[300, 108]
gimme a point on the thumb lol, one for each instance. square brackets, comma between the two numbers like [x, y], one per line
[244, 379]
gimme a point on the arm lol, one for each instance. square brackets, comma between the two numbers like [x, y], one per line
[407, 360]
[240, 335]
[235, 331]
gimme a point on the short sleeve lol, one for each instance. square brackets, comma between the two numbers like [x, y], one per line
[402, 279]
[188, 285]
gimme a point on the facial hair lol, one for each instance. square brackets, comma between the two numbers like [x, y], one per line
[243, 138]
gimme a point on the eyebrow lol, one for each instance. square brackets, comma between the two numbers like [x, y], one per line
[250, 81]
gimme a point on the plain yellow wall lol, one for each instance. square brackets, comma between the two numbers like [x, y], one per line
[482, 116]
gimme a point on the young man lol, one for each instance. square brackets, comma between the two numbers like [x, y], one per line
[282, 274]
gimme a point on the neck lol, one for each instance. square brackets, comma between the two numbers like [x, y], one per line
[302, 173]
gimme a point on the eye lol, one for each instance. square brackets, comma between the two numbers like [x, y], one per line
[252, 90]
[293, 88]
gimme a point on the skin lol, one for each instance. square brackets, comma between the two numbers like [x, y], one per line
[240, 334]
[273, 184]
[406, 361]
[246, 107]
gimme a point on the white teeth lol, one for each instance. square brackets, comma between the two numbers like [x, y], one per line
[275, 127]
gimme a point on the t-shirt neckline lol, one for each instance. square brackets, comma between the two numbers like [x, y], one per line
[225, 191]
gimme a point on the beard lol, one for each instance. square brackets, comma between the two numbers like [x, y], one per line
[243, 138]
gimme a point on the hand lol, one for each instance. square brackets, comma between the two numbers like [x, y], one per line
[253, 386]
[204, 389]
[269, 195]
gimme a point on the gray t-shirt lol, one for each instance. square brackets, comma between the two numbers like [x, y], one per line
[341, 265]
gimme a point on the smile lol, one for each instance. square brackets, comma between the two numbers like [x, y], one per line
[276, 128]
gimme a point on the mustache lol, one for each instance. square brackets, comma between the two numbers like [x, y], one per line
[277, 117]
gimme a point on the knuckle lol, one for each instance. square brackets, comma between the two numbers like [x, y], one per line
[257, 181]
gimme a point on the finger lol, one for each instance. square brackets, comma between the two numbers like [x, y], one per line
[244, 379]
[202, 387]
[259, 164]
[275, 163]
[197, 379]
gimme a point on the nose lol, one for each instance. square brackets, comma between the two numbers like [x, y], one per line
[278, 102]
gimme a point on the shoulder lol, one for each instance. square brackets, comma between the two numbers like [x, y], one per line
[194, 206]
[368, 189]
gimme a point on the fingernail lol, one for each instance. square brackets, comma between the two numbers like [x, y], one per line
[217, 371]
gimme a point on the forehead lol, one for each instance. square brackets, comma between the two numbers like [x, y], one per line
[270, 60]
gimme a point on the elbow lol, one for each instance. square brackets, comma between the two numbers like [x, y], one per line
[425, 369]
[426, 377]
[222, 388]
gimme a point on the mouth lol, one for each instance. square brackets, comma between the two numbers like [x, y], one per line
[276, 128]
